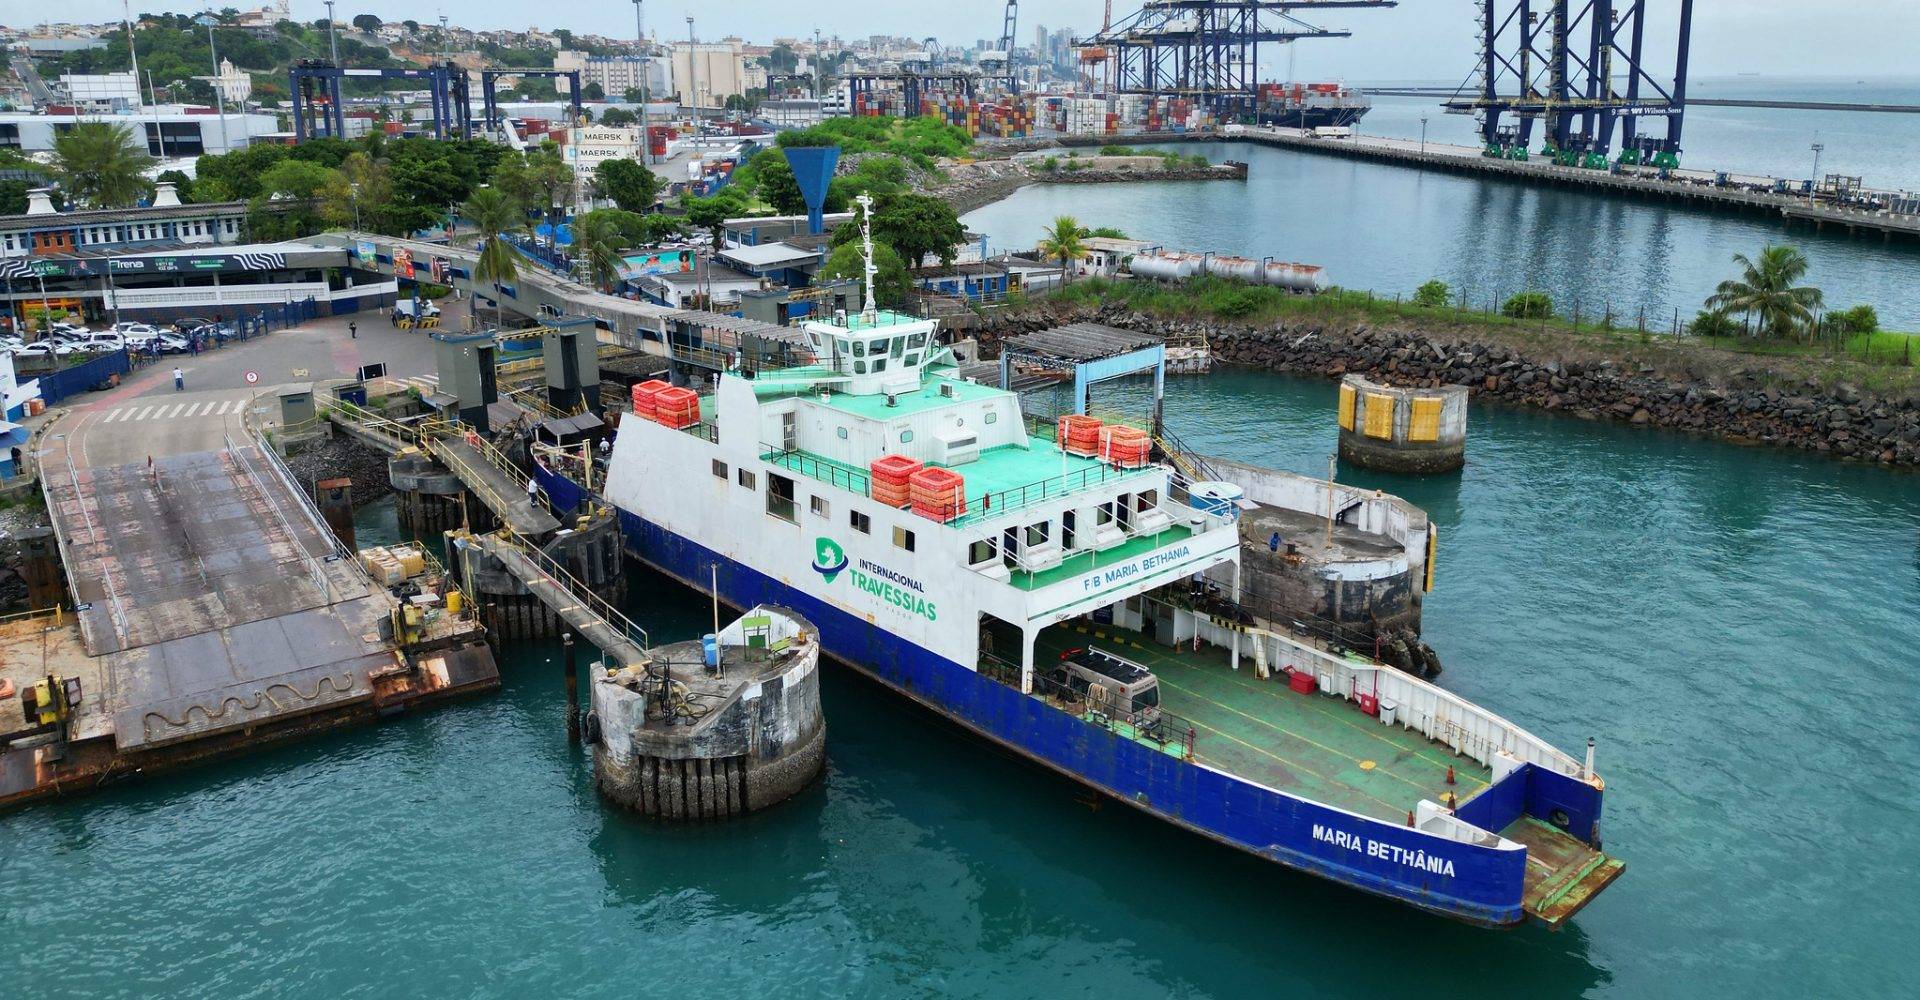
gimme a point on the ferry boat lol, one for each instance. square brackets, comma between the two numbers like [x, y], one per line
[1077, 608]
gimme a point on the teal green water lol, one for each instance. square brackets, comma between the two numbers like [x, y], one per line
[1740, 628]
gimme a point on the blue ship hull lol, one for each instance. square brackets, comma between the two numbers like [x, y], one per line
[1471, 882]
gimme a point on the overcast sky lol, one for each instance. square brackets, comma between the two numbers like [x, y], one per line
[1419, 39]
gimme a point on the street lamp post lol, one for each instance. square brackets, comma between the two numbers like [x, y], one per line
[333, 44]
[693, 78]
[640, 39]
[219, 92]
[1814, 186]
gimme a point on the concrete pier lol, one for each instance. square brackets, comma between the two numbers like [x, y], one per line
[1408, 430]
[214, 610]
[674, 738]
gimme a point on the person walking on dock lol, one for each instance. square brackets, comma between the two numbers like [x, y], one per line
[179, 379]
[353, 331]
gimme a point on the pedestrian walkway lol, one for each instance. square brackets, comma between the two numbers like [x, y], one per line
[139, 410]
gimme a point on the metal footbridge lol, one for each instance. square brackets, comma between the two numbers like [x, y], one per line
[526, 523]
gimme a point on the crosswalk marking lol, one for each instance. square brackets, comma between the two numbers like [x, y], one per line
[165, 411]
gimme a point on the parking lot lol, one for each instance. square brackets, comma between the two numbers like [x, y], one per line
[317, 349]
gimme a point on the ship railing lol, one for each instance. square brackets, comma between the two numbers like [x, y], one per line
[1158, 727]
[831, 473]
[1438, 714]
[998, 502]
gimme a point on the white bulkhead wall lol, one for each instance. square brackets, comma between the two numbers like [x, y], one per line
[819, 426]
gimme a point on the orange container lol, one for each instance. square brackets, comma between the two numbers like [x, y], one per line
[1126, 447]
[677, 407]
[939, 494]
[646, 397]
[894, 470]
[1079, 433]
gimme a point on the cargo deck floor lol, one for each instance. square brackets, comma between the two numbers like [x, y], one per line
[1318, 747]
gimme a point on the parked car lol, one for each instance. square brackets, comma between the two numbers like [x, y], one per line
[171, 343]
[186, 323]
[102, 343]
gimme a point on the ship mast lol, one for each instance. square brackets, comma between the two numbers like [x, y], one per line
[868, 310]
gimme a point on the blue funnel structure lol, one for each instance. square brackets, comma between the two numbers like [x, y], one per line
[813, 169]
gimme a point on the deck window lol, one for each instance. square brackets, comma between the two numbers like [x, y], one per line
[982, 551]
[1037, 533]
[902, 538]
[840, 432]
[747, 480]
[818, 506]
[860, 522]
[992, 417]
[719, 470]
[780, 502]
[906, 437]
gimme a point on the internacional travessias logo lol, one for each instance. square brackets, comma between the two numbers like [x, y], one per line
[829, 559]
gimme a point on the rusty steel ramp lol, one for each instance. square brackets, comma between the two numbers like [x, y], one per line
[1563, 874]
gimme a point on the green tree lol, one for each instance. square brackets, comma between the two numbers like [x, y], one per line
[358, 195]
[1528, 305]
[367, 22]
[13, 197]
[634, 95]
[597, 242]
[663, 229]
[1432, 294]
[554, 181]
[775, 184]
[619, 118]
[98, 164]
[1108, 233]
[918, 226]
[593, 92]
[1062, 243]
[1765, 293]
[628, 183]
[494, 215]
[512, 178]
[1713, 323]
[711, 213]
[891, 280]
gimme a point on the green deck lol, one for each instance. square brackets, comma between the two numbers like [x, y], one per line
[1318, 747]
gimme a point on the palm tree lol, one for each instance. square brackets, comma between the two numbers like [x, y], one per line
[494, 215]
[100, 164]
[1062, 241]
[1766, 295]
[597, 244]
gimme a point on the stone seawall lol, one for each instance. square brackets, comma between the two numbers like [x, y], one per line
[1746, 402]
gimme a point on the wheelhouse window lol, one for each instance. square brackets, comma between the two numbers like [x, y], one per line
[902, 538]
[860, 522]
[982, 551]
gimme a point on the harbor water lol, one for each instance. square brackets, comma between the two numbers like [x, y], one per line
[1737, 627]
[1389, 228]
